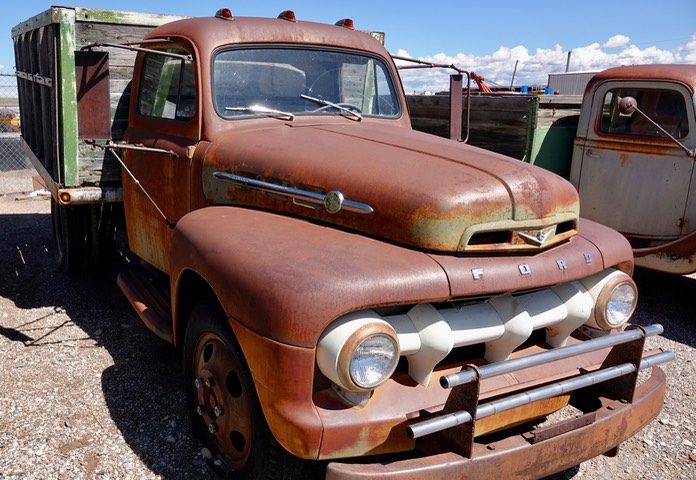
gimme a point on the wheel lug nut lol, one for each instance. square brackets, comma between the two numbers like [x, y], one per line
[212, 428]
[217, 410]
[198, 382]
[208, 382]
[199, 410]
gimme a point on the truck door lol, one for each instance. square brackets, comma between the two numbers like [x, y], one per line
[164, 119]
[631, 176]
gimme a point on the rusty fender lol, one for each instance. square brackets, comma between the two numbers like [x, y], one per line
[282, 280]
[677, 256]
[287, 279]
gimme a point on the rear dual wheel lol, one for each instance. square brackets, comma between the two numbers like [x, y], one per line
[225, 407]
[83, 236]
[69, 236]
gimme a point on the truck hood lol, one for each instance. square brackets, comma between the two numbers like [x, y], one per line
[392, 183]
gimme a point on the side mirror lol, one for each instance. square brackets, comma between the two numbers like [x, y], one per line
[627, 105]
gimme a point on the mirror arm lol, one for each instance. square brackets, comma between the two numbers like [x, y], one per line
[630, 106]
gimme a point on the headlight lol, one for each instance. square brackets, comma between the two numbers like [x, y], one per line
[615, 296]
[373, 361]
[616, 304]
[358, 352]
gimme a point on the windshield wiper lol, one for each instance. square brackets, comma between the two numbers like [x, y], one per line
[269, 112]
[344, 110]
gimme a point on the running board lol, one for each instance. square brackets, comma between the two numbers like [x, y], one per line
[150, 299]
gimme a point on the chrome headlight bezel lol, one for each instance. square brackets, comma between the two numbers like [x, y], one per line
[336, 350]
[616, 302]
[373, 360]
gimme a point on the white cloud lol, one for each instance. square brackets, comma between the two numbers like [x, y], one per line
[617, 41]
[688, 51]
[533, 68]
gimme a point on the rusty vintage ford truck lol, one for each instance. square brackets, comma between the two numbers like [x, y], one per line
[342, 288]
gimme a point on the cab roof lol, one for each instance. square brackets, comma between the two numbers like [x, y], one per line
[209, 33]
[681, 73]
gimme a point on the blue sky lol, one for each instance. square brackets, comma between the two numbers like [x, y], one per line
[488, 38]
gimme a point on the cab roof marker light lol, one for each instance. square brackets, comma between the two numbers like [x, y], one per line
[288, 15]
[224, 13]
[347, 23]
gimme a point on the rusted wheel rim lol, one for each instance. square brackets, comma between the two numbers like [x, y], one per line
[221, 398]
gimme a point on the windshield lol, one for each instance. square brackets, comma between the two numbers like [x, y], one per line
[284, 82]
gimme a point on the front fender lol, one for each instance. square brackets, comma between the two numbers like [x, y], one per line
[676, 257]
[286, 279]
[281, 281]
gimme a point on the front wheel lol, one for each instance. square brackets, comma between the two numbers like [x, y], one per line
[225, 407]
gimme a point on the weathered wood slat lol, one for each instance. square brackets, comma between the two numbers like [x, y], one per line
[35, 43]
[548, 117]
[116, 17]
[100, 168]
[492, 118]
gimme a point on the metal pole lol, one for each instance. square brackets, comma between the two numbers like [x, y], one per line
[514, 72]
[549, 391]
[501, 368]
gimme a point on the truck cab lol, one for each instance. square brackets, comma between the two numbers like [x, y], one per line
[635, 171]
[262, 83]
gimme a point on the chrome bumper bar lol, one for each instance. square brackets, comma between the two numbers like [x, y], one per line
[620, 362]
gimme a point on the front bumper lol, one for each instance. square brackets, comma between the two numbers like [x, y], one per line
[615, 421]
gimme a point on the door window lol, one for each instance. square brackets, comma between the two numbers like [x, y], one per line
[167, 87]
[666, 107]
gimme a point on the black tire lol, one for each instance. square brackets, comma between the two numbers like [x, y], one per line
[69, 236]
[216, 375]
[101, 230]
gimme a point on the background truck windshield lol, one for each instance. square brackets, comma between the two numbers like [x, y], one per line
[276, 78]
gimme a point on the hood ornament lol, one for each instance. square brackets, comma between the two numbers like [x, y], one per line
[537, 237]
[333, 201]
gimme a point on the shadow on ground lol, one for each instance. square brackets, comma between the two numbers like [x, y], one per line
[142, 389]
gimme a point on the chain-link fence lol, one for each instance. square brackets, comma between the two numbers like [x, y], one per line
[15, 168]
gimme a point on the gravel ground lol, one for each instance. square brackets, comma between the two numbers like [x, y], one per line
[89, 393]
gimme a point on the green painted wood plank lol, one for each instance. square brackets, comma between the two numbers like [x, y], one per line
[41, 20]
[68, 95]
[124, 18]
[56, 14]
